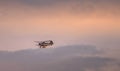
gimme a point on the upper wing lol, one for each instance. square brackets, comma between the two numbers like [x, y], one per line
[38, 41]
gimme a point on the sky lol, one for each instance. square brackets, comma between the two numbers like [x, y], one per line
[86, 35]
[66, 22]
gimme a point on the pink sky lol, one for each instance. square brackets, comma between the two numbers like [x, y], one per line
[66, 23]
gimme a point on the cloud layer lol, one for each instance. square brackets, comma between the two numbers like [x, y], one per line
[76, 57]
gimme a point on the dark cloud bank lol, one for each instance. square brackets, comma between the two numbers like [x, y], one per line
[67, 58]
[51, 2]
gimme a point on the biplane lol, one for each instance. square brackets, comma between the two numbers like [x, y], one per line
[44, 44]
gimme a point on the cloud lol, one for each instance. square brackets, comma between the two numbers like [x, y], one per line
[73, 50]
[67, 58]
[76, 5]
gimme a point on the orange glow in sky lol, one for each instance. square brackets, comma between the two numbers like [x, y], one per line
[22, 23]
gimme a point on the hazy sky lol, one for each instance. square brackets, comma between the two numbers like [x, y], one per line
[67, 22]
[86, 35]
